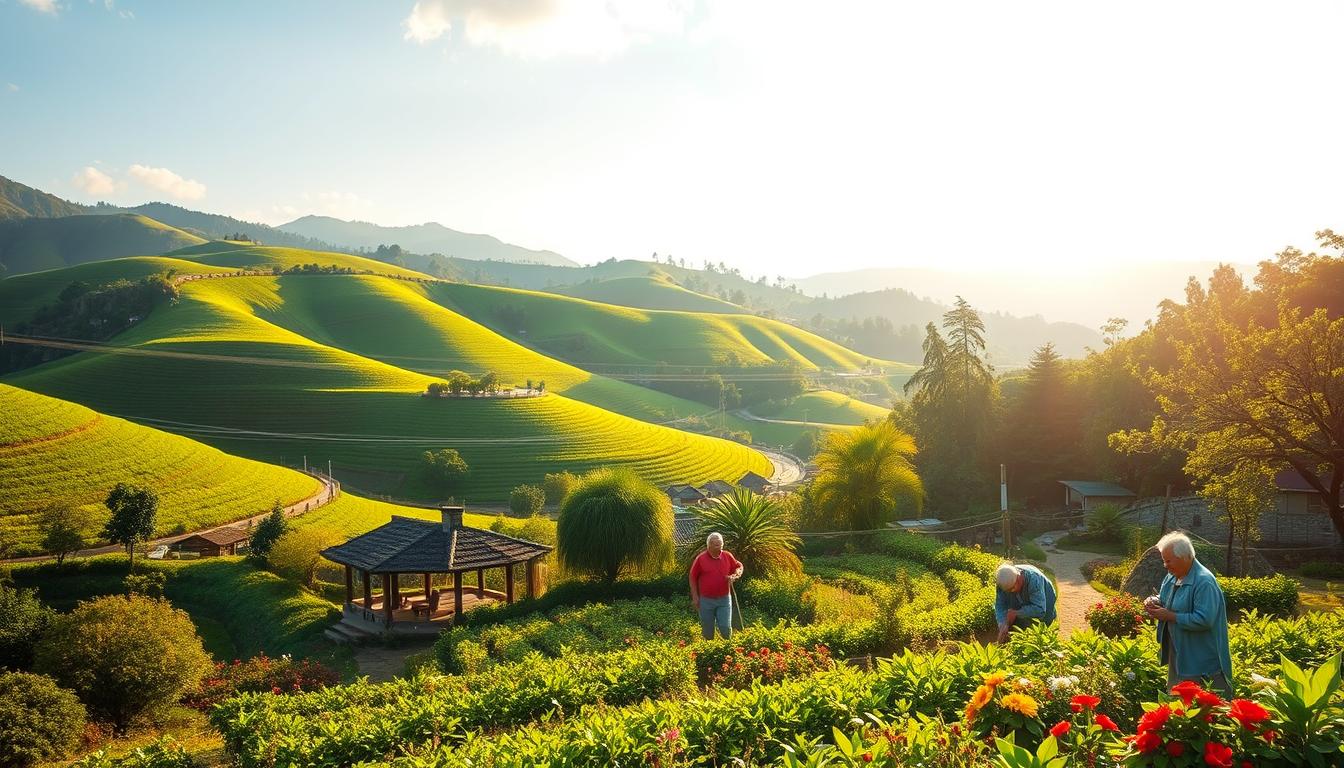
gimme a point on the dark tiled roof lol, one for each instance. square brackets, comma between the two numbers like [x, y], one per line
[716, 488]
[753, 481]
[684, 492]
[1096, 488]
[408, 545]
[685, 529]
[221, 537]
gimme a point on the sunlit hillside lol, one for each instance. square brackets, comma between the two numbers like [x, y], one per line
[34, 244]
[654, 292]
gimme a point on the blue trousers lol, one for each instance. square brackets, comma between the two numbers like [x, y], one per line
[716, 611]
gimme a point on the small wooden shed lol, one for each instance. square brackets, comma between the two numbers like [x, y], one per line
[221, 541]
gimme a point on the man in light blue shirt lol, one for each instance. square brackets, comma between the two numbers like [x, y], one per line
[1024, 595]
[1191, 618]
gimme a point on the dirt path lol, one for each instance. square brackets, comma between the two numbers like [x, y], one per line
[1075, 595]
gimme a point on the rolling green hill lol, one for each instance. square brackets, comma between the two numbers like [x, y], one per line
[19, 201]
[653, 292]
[57, 453]
[266, 390]
[224, 253]
[34, 244]
[586, 332]
[824, 407]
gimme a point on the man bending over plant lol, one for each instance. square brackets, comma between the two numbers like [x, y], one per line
[1023, 595]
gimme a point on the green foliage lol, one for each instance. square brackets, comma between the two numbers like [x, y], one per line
[134, 511]
[614, 522]
[260, 674]
[443, 469]
[23, 619]
[163, 753]
[527, 500]
[147, 584]
[535, 528]
[865, 475]
[558, 485]
[755, 529]
[267, 532]
[1275, 595]
[39, 722]
[63, 531]
[1106, 522]
[126, 657]
[1118, 616]
[297, 554]
[1323, 569]
[1112, 575]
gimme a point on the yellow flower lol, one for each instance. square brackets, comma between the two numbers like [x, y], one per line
[981, 696]
[995, 680]
[1020, 703]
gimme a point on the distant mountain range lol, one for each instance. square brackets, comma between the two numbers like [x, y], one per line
[420, 238]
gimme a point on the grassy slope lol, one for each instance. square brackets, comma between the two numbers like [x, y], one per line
[58, 453]
[34, 244]
[592, 333]
[22, 295]
[351, 515]
[294, 385]
[223, 253]
[826, 407]
[648, 293]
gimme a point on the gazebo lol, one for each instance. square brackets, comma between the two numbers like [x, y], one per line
[407, 545]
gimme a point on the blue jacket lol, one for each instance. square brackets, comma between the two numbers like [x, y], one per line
[1199, 633]
[1035, 600]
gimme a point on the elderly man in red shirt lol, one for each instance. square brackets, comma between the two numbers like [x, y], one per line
[712, 577]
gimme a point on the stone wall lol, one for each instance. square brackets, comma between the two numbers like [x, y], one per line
[1277, 529]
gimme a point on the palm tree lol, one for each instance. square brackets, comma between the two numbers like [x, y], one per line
[613, 521]
[864, 473]
[756, 530]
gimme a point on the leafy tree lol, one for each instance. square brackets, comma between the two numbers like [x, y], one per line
[558, 485]
[267, 532]
[756, 530]
[126, 657]
[62, 530]
[39, 721]
[864, 474]
[1243, 491]
[1106, 522]
[443, 468]
[489, 382]
[134, 511]
[148, 584]
[437, 388]
[527, 499]
[614, 522]
[1042, 426]
[23, 619]
[297, 554]
[806, 444]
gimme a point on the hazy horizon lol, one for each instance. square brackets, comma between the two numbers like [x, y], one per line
[780, 139]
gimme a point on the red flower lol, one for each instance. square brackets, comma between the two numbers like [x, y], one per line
[1083, 701]
[1175, 748]
[1187, 690]
[867, 757]
[1248, 713]
[1247, 764]
[1061, 728]
[1147, 742]
[1106, 723]
[1153, 720]
[1217, 755]
[1208, 699]
[1270, 736]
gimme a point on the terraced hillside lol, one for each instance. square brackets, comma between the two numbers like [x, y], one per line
[824, 407]
[214, 366]
[648, 293]
[34, 244]
[57, 453]
[587, 332]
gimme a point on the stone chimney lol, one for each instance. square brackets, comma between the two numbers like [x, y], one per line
[452, 516]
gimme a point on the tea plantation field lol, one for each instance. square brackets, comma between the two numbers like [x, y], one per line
[648, 293]
[824, 407]
[57, 453]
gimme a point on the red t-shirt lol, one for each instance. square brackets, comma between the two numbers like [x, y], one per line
[711, 573]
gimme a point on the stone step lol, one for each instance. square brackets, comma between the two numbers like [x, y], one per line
[344, 633]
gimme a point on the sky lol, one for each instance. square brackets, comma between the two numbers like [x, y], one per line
[784, 138]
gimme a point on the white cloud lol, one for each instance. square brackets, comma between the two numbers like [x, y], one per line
[12, 87]
[43, 6]
[168, 182]
[548, 28]
[92, 181]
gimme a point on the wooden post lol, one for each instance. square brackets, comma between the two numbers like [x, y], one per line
[426, 586]
[368, 590]
[480, 582]
[349, 586]
[457, 595]
[508, 583]
[387, 598]
[533, 579]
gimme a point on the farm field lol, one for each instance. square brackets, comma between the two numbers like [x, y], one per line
[648, 293]
[824, 407]
[57, 453]
[261, 390]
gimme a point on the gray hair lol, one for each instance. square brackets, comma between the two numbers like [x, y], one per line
[711, 537]
[1178, 544]
[1007, 575]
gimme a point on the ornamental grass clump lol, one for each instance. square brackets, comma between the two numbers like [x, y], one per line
[614, 523]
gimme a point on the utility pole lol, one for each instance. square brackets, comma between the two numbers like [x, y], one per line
[305, 462]
[1003, 510]
[328, 469]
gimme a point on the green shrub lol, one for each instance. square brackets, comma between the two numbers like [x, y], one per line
[297, 554]
[557, 485]
[1275, 595]
[779, 598]
[126, 657]
[164, 753]
[1089, 569]
[39, 721]
[23, 619]
[527, 500]
[1323, 569]
[259, 674]
[1112, 575]
[614, 522]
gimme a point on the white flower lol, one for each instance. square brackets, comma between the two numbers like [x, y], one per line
[1260, 681]
[1129, 675]
[1023, 682]
[1060, 683]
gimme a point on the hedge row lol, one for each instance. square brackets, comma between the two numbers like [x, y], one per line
[1275, 595]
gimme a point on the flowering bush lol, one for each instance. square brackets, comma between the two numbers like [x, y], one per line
[1119, 616]
[743, 666]
[1002, 704]
[260, 674]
